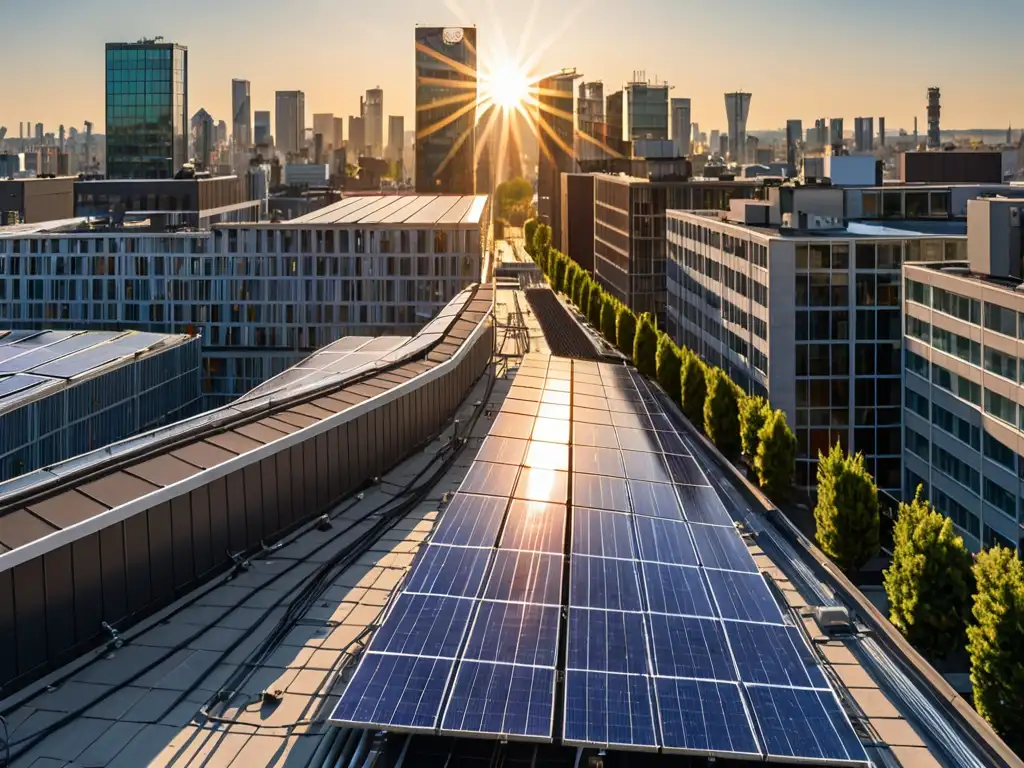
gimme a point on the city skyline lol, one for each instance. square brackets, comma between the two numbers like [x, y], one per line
[547, 38]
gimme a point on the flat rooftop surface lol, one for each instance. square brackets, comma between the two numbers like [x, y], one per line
[34, 362]
[409, 210]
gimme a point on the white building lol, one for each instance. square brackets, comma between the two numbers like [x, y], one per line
[262, 295]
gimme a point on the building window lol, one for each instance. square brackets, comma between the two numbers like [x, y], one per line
[1002, 408]
[1000, 498]
[1001, 320]
[1001, 365]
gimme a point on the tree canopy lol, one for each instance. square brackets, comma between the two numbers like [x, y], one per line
[754, 412]
[847, 511]
[721, 413]
[775, 462]
[515, 201]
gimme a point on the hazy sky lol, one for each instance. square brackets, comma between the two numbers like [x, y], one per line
[799, 58]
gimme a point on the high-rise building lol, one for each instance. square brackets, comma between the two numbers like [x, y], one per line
[557, 153]
[204, 139]
[338, 133]
[646, 111]
[323, 125]
[222, 133]
[261, 130]
[147, 109]
[934, 111]
[396, 138]
[715, 141]
[291, 120]
[39, 133]
[794, 134]
[881, 131]
[446, 93]
[835, 130]
[373, 114]
[681, 126]
[613, 115]
[590, 122]
[241, 114]
[356, 138]
[737, 109]
[863, 133]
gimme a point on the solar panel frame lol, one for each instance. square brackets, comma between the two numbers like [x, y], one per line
[680, 731]
[444, 570]
[607, 641]
[664, 541]
[493, 617]
[423, 625]
[638, 692]
[470, 521]
[493, 675]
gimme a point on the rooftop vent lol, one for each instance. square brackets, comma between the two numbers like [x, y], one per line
[834, 620]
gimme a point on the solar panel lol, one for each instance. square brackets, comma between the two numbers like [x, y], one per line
[608, 710]
[673, 639]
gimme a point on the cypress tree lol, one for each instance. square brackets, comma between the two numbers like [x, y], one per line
[754, 412]
[775, 462]
[721, 413]
[694, 389]
[669, 366]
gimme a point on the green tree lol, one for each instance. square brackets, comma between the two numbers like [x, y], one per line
[754, 412]
[609, 313]
[594, 306]
[541, 247]
[625, 330]
[560, 266]
[571, 273]
[669, 366]
[722, 413]
[515, 200]
[645, 347]
[846, 516]
[584, 302]
[995, 643]
[929, 583]
[775, 463]
[529, 232]
[693, 384]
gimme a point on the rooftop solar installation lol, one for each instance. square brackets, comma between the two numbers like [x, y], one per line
[586, 585]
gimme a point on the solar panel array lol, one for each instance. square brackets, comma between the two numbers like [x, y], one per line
[673, 641]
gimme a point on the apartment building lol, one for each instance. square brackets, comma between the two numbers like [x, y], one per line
[964, 380]
[803, 306]
[263, 296]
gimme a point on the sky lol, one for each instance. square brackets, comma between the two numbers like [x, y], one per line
[800, 58]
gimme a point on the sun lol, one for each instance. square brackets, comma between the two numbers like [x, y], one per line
[508, 86]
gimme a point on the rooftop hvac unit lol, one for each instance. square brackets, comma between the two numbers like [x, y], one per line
[834, 620]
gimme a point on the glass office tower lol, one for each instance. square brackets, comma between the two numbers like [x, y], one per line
[446, 92]
[147, 109]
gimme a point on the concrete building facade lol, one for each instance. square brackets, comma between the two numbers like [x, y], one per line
[290, 117]
[681, 126]
[241, 115]
[737, 109]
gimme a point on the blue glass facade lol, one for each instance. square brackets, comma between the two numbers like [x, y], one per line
[147, 110]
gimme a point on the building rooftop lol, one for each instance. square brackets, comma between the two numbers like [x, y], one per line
[43, 227]
[408, 210]
[852, 229]
[962, 272]
[37, 363]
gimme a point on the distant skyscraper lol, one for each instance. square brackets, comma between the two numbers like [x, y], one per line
[817, 137]
[39, 133]
[241, 114]
[681, 126]
[261, 132]
[613, 116]
[646, 111]
[714, 141]
[356, 138]
[373, 114]
[881, 131]
[794, 134]
[863, 133]
[396, 138]
[934, 111]
[590, 121]
[291, 120]
[835, 129]
[323, 125]
[446, 93]
[222, 133]
[204, 139]
[147, 109]
[338, 138]
[557, 153]
[737, 109]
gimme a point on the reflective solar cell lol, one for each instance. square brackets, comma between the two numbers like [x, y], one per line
[602, 534]
[527, 379]
[593, 434]
[704, 716]
[599, 492]
[514, 633]
[685, 470]
[641, 440]
[687, 647]
[659, 420]
[607, 641]
[664, 541]
[675, 589]
[623, 420]
[590, 416]
[490, 479]
[558, 384]
[534, 526]
[398, 692]
[617, 404]
[622, 392]
[590, 390]
[655, 500]
[543, 485]
[765, 654]
[502, 450]
[598, 461]
[645, 466]
[598, 582]
[424, 625]
[555, 397]
[549, 411]
[501, 699]
[743, 596]
[525, 577]
[512, 425]
[803, 724]
[442, 570]
[523, 393]
[522, 407]
[551, 431]
[608, 710]
[672, 443]
[547, 456]
[470, 521]
[701, 504]
[722, 548]
[590, 401]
